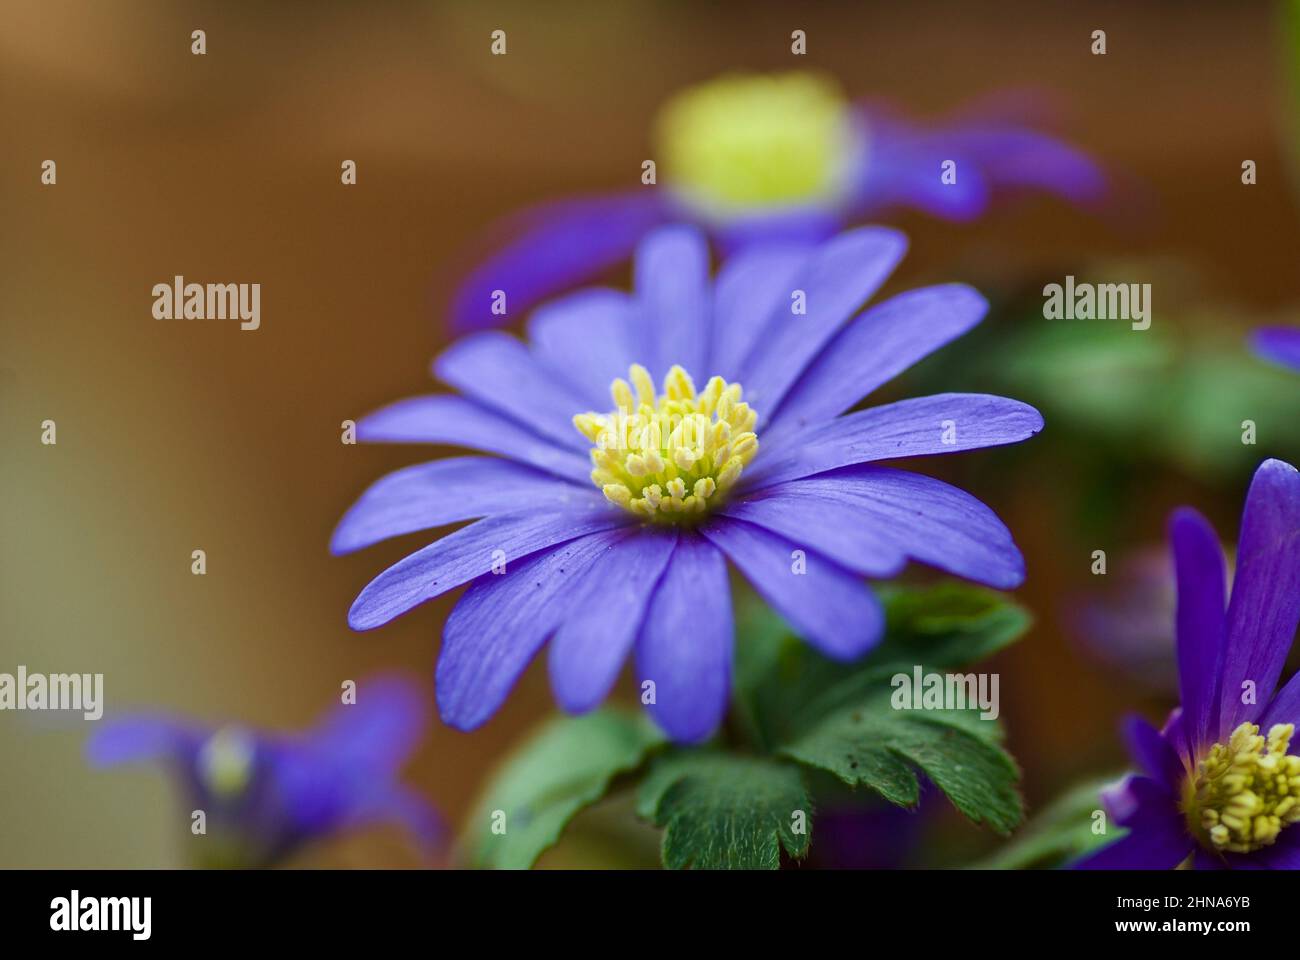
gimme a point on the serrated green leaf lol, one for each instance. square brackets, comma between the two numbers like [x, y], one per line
[722, 811]
[1061, 833]
[568, 765]
[874, 745]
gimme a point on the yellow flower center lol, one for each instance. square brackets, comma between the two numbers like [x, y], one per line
[1244, 793]
[744, 141]
[225, 761]
[670, 458]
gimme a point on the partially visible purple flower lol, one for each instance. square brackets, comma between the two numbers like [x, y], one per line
[1219, 784]
[264, 794]
[632, 555]
[1278, 344]
[782, 157]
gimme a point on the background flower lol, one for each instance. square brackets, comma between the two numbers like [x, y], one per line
[1279, 344]
[264, 795]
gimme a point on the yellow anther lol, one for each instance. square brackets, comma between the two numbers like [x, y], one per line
[1244, 793]
[670, 457]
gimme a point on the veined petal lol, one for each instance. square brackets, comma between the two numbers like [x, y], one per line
[875, 347]
[922, 426]
[1154, 754]
[502, 621]
[827, 605]
[1200, 576]
[458, 422]
[1265, 605]
[685, 647]
[752, 287]
[552, 248]
[674, 298]
[837, 279]
[871, 519]
[1157, 838]
[585, 339]
[602, 624]
[447, 491]
[468, 553]
[497, 370]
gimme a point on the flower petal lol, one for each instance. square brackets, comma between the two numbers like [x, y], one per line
[498, 371]
[141, 738]
[447, 491]
[380, 730]
[595, 638]
[876, 346]
[1199, 572]
[921, 426]
[1154, 754]
[827, 605]
[1279, 344]
[674, 300]
[458, 422]
[685, 647]
[1265, 606]
[837, 279]
[468, 553]
[585, 338]
[752, 287]
[1157, 838]
[871, 519]
[552, 248]
[502, 621]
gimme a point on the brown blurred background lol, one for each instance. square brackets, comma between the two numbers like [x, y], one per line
[182, 435]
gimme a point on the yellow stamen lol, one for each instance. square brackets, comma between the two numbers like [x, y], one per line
[225, 761]
[672, 457]
[1244, 793]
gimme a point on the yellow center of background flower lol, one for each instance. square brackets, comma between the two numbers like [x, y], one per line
[670, 458]
[225, 761]
[745, 141]
[1245, 792]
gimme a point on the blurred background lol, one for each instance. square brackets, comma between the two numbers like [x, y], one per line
[176, 436]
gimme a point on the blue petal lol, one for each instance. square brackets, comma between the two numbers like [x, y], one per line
[870, 519]
[468, 553]
[877, 346]
[448, 491]
[1200, 577]
[455, 421]
[685, 646]
[838, 278]
[827, 605]
[674, 302]
[594, 640]
[1279, 344]
[497, 370]
[552, 248]
[502, 621]
[586, 340]
[381, 729]
[1154, 754]
[752, 288]
[1265, 606]
[945, 423]
[143, 738]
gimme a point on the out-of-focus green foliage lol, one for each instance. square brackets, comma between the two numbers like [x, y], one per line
[1063, 832]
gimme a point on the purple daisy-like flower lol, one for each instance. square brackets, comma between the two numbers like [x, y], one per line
[755, 158]
[1219, 784]
[264, 795]
[1279, 344]
[611, 532]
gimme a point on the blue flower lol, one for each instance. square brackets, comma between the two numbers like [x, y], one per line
[1278, 344]
[1219, 784]
[615, 536]
[786, 157]
[264, 795]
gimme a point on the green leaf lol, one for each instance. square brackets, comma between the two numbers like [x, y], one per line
[1058, 835]
[722, 811]
[874, 745]
[568, 765]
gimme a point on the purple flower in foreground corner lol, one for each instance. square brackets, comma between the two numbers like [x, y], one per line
[1279, 344]
[637, 559]
[265, 794]
[785, 156]
[1218, 784]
